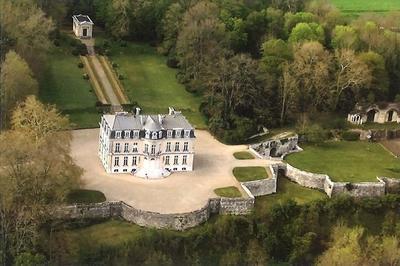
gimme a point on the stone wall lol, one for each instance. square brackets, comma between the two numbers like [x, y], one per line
[392, 185]
[174, 221]
[324, 183]
[264, 186]
[381, 134]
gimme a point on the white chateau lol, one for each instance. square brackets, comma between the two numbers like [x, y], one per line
[82, 26]
[148, 146]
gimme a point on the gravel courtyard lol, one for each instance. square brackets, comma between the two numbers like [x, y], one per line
[180, 192]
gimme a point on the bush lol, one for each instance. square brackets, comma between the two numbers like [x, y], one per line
[107, 52]
[123, 43]
[314, 134]
[172, 62]
[99, 50]
[350, 136]
[56, 42]
[106, 44]
[114, 65]
[80, 65]
[85, 76]
[120, 77]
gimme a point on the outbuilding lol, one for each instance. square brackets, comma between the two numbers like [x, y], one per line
[82, 26]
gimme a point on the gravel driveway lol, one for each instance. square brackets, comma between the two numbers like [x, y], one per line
[180, 192]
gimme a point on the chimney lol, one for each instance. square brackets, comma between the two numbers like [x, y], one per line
[160, 119]
[137, 111]
[171, 111]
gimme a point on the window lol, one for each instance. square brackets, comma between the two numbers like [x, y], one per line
[146, 148]
[126, 161]
[187, 133]
[135, 147]
[154, 135]
[117, 147]
[118, 134]
[125, 170]
[134, 160]
[126, 147]
[169, 134]
[176, 146]
[147, 134]
[168, 149]
[136, 134]
[178, 133]
[153, 149]
[184, 159]
[183, 168]
[160, 134]
[127, 134]
[176, 159]
[185, 146]
[166, 159]
[116, 161]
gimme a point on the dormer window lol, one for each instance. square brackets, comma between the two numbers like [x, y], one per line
[169, 133]
[118, 134]
[178, 133]
[136, 134]
[147, 134]
[154, 135]
[127, 134]
[160, 134]
[187, 133]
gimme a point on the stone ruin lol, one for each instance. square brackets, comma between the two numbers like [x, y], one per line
[276, 147]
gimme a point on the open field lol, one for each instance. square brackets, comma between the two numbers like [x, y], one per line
[251, 173]
[243, 155]
[347, 161]
[149, 82]
[228, 192]
[64, 86]
[355, 7]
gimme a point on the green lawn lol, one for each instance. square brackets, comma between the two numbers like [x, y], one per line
[228, 192]
[64, 86]
[243, 155]
[85, 196]
[360, 6]
[244, 174]
[347, 161]
[149, 82]
[286, 190]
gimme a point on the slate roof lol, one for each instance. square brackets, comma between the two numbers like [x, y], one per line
[127, 121]
[82, 19]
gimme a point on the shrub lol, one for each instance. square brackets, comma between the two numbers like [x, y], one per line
[107, 52]
[123, 43]
[106, 44]
[120, 77]
[99, 50]
[314, 134]
[56, 42]
[114, 65]
[172, 62]
[80, 65]
[350, 136]
[85, 76]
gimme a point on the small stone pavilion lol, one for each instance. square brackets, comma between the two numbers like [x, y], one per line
[82, 26]
[375, 113]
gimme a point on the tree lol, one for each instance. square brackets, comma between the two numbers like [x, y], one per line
[307, 32]
[345, 37]
[351, 73]
[16, 82]
[291, 20]
[256, 27]
[171, 24]
[119, 18]
[29, 35]
[37, 173]
[201, 43]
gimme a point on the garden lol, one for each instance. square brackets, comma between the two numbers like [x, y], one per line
[347, 161]
[148, 81]
[63, 84]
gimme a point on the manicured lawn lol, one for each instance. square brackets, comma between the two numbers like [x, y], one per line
[287, 190]
[64, 86]
[244, 174]
[85, 196]
[228, 192]
[149, 82]
[347, 161]
[243, 155]
[359, 6]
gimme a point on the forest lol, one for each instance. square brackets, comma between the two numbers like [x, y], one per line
[255, 64]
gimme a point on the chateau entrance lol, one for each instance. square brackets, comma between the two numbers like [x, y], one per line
[152, 168]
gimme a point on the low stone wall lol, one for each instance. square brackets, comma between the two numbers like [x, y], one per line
[174, 221]
[262, 187]
[324, 183]
[381, 134]
[392, 185]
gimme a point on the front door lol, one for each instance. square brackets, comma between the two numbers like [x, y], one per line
[84, 32]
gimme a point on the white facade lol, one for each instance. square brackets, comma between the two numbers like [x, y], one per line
[82, 26]
[148, 146]
[388, 112]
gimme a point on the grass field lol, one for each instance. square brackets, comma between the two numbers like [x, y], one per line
[347, 161]
[64, 86]
[355, 7]
[149, 82]
[251, 173]
[228, 192]
[287, 190]
[243, 155]
[85, 196]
